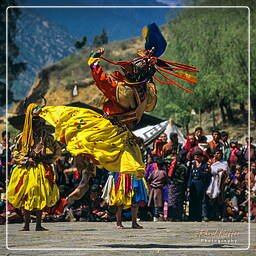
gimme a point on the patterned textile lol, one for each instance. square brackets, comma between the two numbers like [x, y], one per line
[32, 188]
[84, 131]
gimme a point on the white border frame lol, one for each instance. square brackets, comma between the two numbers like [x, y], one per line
[122, 248]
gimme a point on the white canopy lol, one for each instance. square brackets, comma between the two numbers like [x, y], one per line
[152, 132]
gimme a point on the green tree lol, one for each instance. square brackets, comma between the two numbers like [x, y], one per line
[100, 39]
[216, 42]
[14, 68]
[80, 44]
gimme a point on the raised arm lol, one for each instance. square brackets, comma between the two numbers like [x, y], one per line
[102, 80]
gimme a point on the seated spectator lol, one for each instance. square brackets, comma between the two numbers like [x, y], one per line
[253, 207]
[98, 208]
[56, 213]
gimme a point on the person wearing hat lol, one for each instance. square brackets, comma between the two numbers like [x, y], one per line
[197, 184]
[32, 184]
[107, 140]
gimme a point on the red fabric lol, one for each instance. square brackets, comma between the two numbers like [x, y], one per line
[188, 144]
[212, 144]
[76, 175]
[49, 175]
[167, 148]
[233, 158]
[108, 87]
[58, 208]
[158, 147]
[172, 166]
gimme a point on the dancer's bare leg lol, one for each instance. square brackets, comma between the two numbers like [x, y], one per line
[82, 188]
[39, 221]
[134, 210]
[119, 224]
[88, 170]
[26, 220]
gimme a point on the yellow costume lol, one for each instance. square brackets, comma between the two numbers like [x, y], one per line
[32, 184]
[111, 146]
[125, 190]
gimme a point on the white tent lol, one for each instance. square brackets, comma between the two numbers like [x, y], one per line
[152, 132]
[172, 127]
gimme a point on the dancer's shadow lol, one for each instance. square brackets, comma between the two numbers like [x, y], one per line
[161, 246]
[80, 230]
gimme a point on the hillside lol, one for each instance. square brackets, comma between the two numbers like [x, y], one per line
[56, 82]
[41, 42]
[196, 37]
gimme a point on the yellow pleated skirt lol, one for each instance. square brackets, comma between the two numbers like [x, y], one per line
[32, 188]
[85, 131]
[126, 191]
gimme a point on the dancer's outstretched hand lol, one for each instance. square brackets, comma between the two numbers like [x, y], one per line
[100, 51]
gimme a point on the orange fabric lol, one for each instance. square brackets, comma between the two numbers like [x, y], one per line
[212, 144]
[49, 175]
[158, 147]
[17, 188]
[108, 86]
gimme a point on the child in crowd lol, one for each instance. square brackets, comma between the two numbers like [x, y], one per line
[156, 180]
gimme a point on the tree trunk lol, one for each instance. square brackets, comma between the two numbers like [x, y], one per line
[223, 115]
[244, 112]
[253, 107]
[200, 118]
[213, 117]
[187, 128]
[229, 112]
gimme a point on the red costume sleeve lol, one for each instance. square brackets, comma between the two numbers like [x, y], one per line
[104, 82]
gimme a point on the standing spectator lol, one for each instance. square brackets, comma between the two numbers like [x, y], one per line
[158, 144]
[5, 151]
[156, 180]
[214, 143]
[224, 141]
[232, 155]
[215, 191]
[249, 154]
[197, 185]
[173, 143]
[190, 147]
[176, 195]
[198, 133]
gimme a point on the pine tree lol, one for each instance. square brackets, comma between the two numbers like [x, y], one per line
[14, 68]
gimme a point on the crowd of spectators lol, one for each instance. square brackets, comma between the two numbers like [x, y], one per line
[199, 181]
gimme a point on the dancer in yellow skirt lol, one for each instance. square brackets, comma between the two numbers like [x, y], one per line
[106, 140]
[125, 191]
[32, 184]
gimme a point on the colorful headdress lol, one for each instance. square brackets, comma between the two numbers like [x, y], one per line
[143, 68]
